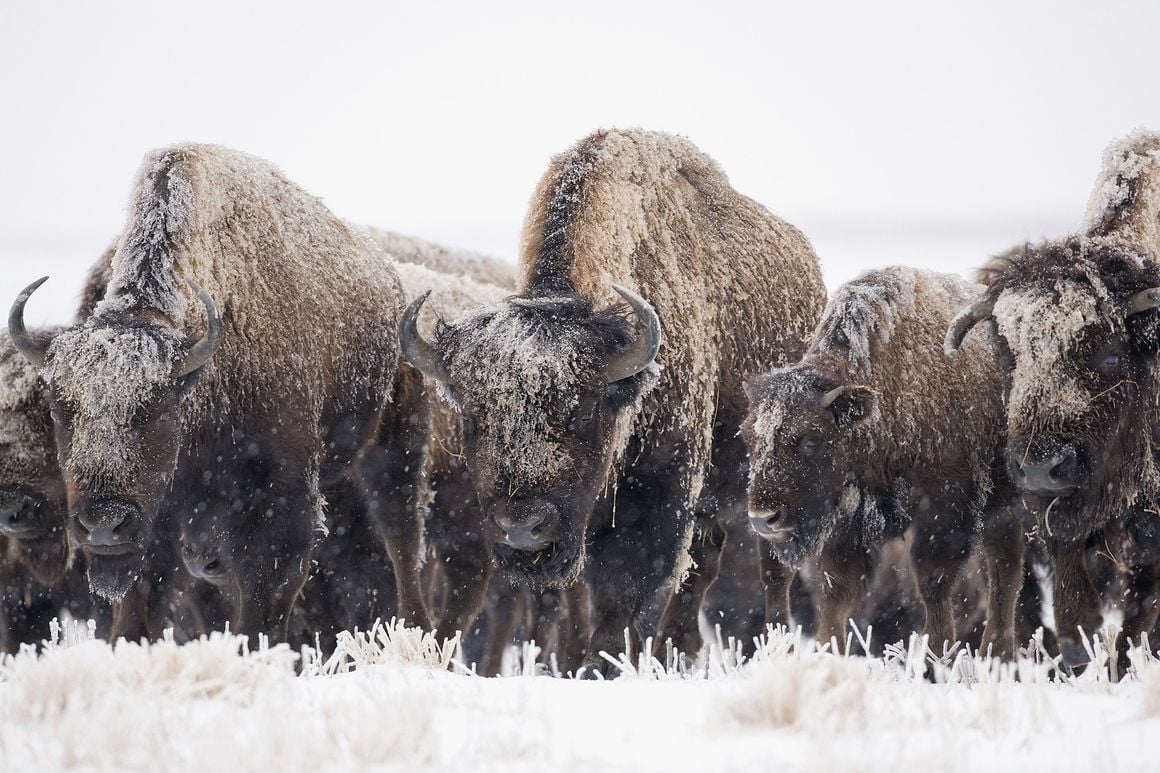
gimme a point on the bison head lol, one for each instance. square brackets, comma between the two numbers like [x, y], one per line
[1078, 344]
[799, 430]
[547, 388]
[116, 384]
[33, 509]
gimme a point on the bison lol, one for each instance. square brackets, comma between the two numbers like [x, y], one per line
[1078, 336]
[244, 327]
[590, 440]
[38, 570]
[872, 433]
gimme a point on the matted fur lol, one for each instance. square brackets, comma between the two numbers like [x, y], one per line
[201, 213]
[738, 290]
[27, 447]
[1126, 198]
[882, 330]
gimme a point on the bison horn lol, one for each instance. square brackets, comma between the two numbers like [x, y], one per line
[641, 353]
[27, 344]
[1144, 300]
[203, 350]
[829, 397]
[966, 319]
[417, 349]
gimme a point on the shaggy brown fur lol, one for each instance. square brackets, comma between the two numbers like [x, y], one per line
[867, 434]
[310, 307]
[1083, 386]
[617, 469]
[446, 260]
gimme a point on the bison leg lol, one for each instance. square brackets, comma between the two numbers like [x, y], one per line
[1077, 603]
[679, 622]
[776, 579]
[939, 550]
[272, 556]
[394, 483]
[841, 568]
[507, 611]
[463, 554]
[632, 561]
[1141, 597]
[1003, 546]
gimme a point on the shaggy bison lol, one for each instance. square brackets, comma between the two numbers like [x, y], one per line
[874, 432]
[244, 328]
[1079, 336]
[589, 440]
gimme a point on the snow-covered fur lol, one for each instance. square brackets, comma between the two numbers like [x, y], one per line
[737, 291]
[310, 308]
[446, 260]
[1083, 384]
[926, 411]
[874, 429]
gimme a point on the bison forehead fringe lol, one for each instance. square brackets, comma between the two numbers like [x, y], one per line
[781, 390]
[26, 439]
[1043, 329]
[528, 360]
[105, 375]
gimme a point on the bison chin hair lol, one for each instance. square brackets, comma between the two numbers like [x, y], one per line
[113, 576]
[557, 566]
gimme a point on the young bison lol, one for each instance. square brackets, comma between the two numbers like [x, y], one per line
[875, 432]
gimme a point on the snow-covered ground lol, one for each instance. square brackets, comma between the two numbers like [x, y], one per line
[396, 700]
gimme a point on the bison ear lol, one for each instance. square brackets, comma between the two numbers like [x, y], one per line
[850, 404]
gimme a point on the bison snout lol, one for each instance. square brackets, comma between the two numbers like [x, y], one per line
[18, 517]
[525, 525]
[204, 565]
[105, 525]
[1050, 471]
[769, 524]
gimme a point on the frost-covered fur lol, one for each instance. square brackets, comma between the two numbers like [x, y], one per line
[446, 260]
[911, 436]
[310, 308]
[1083, 381]
[619, 468]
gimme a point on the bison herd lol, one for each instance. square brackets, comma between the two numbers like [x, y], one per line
[267, 418]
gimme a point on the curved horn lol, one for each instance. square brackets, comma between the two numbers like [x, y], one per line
[829, 397]
[966, 319]
[417, 349]
[27, 344]
[1144, 300]
[641, 352]
[204, 349]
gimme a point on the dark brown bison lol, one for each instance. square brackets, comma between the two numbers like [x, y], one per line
[1079, 334]
[244, 328]
[874, 433]
[589, 440]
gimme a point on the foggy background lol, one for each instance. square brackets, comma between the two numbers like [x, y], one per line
[890, 132]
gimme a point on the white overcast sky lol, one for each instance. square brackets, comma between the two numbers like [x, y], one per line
[907, 132]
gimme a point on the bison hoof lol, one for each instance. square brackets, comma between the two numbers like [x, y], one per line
[1075, 656]
[597, 669]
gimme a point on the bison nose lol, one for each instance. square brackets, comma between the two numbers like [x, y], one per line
[769, 524]
[1054, 473]
[18, 518]
[206, 566]
[101, 521]
[525, 525]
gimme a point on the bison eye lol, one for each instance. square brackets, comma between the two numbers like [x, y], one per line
[808, 444]
[1110, 362]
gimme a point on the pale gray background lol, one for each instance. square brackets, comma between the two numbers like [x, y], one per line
[912, 132]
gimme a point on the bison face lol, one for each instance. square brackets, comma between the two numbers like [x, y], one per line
[116, 386]
[1078, 342]
[547, 389]
[799, 430]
